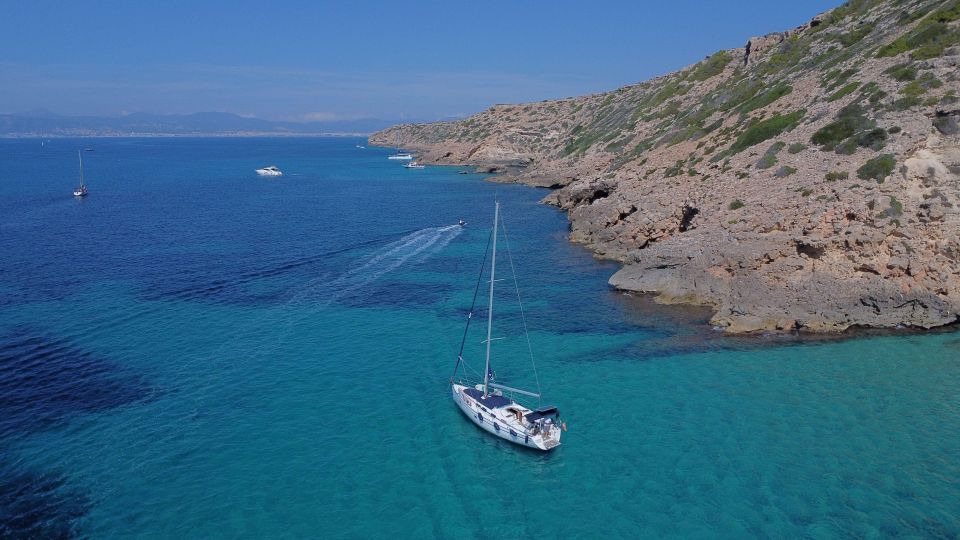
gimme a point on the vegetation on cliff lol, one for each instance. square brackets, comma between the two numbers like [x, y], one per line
[803, 130]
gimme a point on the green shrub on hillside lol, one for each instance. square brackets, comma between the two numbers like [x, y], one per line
[767, 129]
[847, 147]
[796, 148]
[902, 72]
[769, 158]
[736, 204]
[930, 37]
[785, 171]
[843, 91]
[921, 85]
[833, 176]
[790, 52]
[711, 66]
[850, 120]
[895, 209]
[766, 98]
[675, 169]
[875, 139]
[847, 9]
[853, 37]
[903, 104]
[877, 168]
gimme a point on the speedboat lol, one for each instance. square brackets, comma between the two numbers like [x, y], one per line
[81, 190]
[491, 405]
[269, 171]
[414, 165]
[462, 223]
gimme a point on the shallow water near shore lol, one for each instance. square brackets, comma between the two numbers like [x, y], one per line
[194, 351]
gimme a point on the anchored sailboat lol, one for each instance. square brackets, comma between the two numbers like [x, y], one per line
[485, 404]
[81, 190]
[400, 155]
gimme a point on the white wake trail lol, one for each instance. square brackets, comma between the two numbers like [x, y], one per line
[423, 243]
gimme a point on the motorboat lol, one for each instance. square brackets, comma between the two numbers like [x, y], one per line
[414, 165]
[462, 223]
[269, 171]
[491, 405]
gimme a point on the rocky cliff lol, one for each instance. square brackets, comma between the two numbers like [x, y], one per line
[807, 180]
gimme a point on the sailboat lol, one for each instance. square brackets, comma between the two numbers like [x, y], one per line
[398, 154]
[81, 190]
[486, 404]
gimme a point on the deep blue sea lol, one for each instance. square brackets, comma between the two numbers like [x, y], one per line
[197, 352]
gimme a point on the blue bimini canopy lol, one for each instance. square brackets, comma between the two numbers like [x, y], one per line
[542, 412]
[491, 401]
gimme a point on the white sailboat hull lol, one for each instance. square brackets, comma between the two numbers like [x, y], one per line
[406, 158]
[497, 422]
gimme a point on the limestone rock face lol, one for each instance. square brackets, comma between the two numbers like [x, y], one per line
[809, 180]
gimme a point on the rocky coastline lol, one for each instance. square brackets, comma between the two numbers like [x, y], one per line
[809, 180]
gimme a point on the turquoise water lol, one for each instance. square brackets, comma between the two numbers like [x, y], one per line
[194, 351]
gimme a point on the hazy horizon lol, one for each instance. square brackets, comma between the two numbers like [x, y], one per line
[299, 61]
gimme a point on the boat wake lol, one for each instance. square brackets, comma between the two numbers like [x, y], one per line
[414, 247]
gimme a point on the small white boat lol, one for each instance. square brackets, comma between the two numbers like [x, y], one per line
[81, 190]
[400, 155]
[414, 165]
[360, 146]
[462, 223]
[269, 171]
[485, 404]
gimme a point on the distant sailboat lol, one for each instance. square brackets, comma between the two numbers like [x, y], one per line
[485, 404]
[398, 154]
[81, 190]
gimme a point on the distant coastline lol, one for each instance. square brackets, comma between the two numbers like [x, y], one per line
[161, 134]
[46, 124]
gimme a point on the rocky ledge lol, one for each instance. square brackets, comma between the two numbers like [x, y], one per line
[808, 180]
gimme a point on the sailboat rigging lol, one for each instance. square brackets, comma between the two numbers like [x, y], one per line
[81, 190]
[398, 154]
[485, 404]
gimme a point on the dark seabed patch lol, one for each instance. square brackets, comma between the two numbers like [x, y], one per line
[46, 380]
[230, 279]
[39, 505]
[397, 294]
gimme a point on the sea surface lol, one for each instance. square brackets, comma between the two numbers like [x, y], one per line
[193, 351]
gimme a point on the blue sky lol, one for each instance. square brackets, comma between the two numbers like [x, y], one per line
[299, 60]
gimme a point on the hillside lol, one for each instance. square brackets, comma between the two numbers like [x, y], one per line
[808, 180]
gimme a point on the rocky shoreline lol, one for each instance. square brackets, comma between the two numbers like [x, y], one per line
[809, 180]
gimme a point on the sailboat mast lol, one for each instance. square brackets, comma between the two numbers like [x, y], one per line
[493, 275]
[80, 156]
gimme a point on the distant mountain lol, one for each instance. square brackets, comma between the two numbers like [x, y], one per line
[42, 122]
